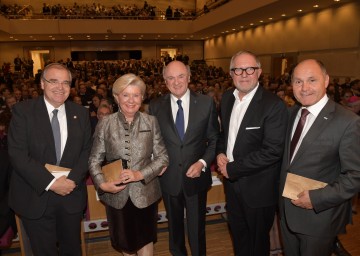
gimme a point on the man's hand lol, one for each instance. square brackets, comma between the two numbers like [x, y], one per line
[222, 161]
[63, 186]
[194, 170]
[303, 200]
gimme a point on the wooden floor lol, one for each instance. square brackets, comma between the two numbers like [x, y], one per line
[218, 240]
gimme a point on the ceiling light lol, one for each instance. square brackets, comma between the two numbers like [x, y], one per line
[299, 10]
[336, 0]
[270, 18]
[233, 29]
[283, 15]
[316, 6]
[261, 21]
[88, 36]
[251, 24]
[50, 36]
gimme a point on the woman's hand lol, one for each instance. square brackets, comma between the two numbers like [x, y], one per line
[112, 186]
[128, 176]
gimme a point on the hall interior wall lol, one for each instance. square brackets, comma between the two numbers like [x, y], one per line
[331, 35]
[62, 50]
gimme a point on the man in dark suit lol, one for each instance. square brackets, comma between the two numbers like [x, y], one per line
[327, 150]
[191, 148]
[50, 207]
[249, 155]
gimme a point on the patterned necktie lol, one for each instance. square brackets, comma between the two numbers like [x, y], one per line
[179, 122]
[298, 131]
[57, 137]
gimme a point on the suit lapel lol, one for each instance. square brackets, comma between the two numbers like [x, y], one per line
[168, 117]
[256, 100]
[292, 118]
[192, 113]
[43, 121]
[229, 104]
[70, 119]
[316, 129]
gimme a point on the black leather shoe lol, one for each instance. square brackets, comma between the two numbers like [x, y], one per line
[339, 249]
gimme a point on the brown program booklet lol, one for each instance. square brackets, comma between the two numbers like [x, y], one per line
[112, 171]
[295, 184]
[57, 171]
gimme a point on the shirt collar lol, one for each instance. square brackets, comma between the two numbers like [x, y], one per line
[50, 107]
[185, 98]
[248, 96]
[317, 107]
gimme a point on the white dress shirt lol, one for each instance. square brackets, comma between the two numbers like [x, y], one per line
[185, 103]
[237, 115]
[310, 119]
[63, 127]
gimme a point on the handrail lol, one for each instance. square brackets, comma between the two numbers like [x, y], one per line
[26, 13]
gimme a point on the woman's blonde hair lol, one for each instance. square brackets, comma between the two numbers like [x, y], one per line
[126, 80]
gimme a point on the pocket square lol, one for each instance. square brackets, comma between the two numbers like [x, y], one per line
[252, 128]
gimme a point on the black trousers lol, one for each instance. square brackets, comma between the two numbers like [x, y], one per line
[57, 232]
[249, 227]
[195, 208]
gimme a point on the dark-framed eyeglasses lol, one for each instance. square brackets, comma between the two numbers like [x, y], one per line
[57, 82]
[249, 70]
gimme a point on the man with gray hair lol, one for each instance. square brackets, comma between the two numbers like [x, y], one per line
[249, 155]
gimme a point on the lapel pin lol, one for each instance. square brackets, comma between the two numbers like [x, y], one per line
[75, 117]
[325, 118]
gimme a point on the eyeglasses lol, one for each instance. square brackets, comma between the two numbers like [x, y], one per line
[239, 71]
[57, 82]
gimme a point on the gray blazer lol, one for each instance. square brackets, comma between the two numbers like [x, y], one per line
[141, 144]
[330, 153]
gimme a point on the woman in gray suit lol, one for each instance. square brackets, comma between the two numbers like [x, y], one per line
[134, 137]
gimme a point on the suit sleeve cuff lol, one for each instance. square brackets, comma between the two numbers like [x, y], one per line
[48, 186]
[204, 163]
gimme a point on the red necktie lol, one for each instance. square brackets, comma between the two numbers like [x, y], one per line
[298, 131]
